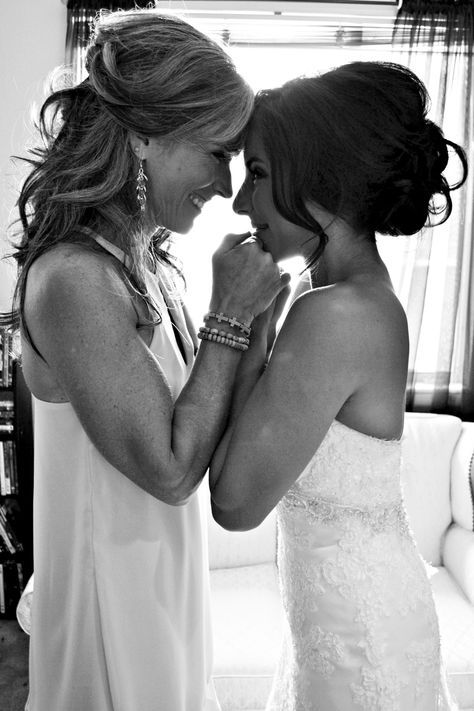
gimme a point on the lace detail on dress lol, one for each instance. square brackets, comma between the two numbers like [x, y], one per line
[329, 512]
[363, 628]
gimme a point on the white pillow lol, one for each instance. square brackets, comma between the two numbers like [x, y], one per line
[428, 444]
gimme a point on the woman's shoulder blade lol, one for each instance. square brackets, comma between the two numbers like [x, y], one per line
[348, 301]
[353, 317]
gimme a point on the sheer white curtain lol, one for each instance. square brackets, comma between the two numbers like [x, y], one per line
[432, 272]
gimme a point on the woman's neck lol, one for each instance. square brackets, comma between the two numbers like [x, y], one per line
[347, 255]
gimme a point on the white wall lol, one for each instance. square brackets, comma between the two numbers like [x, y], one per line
[32, 36]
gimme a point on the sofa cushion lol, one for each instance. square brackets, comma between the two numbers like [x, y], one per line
[247, 620]
[456, 621]
[427, 449]
[236, 548]
[462, 478]
[458, 558]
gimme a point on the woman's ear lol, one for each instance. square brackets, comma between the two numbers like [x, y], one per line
[138, 144]
[325, 218]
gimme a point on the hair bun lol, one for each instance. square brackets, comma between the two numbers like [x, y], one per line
[407, 204]
[402, 208]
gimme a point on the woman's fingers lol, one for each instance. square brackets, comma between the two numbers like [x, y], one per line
[230, 241]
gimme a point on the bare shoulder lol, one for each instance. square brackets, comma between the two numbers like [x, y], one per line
[73, 264]
[358, 309]
[349, 326]
[72, 275]
[76, 296]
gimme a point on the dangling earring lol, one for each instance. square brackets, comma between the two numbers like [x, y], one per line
[141, 186]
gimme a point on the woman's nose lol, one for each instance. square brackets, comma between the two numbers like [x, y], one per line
[223, 181]
[242, 202]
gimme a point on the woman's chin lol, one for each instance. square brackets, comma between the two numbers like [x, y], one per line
[182, 228]
[271, 249]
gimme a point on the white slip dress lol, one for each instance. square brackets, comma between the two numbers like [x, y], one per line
[120, 610]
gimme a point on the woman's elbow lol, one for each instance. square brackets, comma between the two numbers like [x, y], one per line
[176, 493]
[234, 520]
[175, 488]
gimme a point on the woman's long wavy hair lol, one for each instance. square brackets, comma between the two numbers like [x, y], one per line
[149, 73]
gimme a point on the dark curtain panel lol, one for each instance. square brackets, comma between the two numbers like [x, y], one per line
[80, 14]
[435, 39]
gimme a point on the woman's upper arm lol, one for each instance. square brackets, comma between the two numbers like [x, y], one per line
[81, 318]
[312, 372]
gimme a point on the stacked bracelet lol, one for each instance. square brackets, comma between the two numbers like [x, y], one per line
[231, 320]
[228, 339]
[225, 334]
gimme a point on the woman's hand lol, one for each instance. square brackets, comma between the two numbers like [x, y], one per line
[276, 309]
[246, 280]
[265, 324]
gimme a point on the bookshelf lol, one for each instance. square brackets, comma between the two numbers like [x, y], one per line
[16, 479]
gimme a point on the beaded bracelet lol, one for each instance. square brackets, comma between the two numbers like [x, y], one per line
[224, 341]
[231, 320]
[225, 334]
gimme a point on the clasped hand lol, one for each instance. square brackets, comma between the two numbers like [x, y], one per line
[246, 280]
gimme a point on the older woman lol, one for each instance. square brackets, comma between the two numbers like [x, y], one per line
[125, 424]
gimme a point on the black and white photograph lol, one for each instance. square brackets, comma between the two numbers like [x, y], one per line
[237, 355]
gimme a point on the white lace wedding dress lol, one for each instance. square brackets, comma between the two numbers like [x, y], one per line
[362, 629]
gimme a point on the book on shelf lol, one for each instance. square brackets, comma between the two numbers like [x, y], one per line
[8, 468]
[9, 347]
[2, 591]
[7, 528]
[6, 539]
[6, 363]
[10, 465]
[6, 409]
[11, 585]
[3, 478]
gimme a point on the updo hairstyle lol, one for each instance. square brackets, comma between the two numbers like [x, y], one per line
[159, 76]
[150, 73]
[356, 141]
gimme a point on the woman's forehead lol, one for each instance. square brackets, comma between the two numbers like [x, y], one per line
[254, 143]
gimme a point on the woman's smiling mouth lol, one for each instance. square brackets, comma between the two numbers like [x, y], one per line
[197, 200]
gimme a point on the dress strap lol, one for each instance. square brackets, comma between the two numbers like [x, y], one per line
[179, 323]
[112, 248]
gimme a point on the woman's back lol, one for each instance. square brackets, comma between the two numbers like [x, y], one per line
[362, 317]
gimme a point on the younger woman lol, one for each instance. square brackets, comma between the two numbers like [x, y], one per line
[331, 160]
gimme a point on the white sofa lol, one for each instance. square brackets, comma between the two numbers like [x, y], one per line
[438, 479]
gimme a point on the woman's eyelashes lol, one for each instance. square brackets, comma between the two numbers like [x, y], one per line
[222, 156]
[255, 172]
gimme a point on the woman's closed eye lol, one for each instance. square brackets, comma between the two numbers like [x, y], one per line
[222, 156]
[254, 173]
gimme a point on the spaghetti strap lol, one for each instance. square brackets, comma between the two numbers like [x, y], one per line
[111, 248]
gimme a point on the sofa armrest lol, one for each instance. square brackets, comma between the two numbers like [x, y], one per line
[462, 473]
[458, 558]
